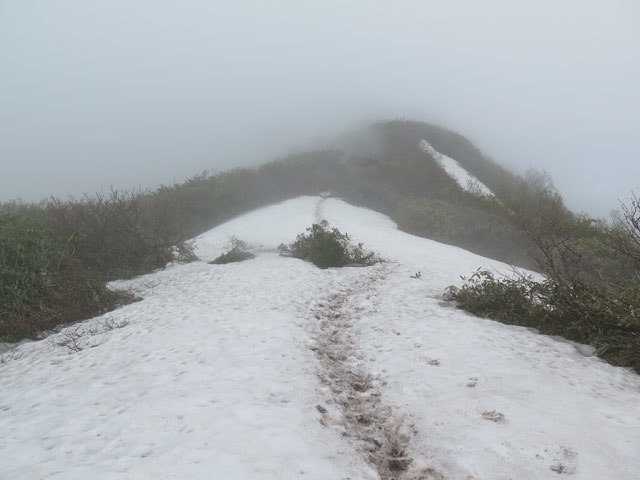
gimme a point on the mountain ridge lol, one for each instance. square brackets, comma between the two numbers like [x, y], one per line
[273, 368]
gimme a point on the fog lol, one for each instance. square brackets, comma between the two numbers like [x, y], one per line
[146, 92]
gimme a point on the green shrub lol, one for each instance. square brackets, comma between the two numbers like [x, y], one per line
[607, 318]
[120, 234]
[239, 252]
[42, 284]
[325, 248]
[185, 252]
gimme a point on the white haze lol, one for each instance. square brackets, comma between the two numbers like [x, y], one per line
[94, 93]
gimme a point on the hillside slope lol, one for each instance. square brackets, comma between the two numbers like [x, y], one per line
[56, 247]
[272, 368]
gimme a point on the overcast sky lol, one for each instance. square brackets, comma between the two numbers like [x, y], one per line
[142, 92]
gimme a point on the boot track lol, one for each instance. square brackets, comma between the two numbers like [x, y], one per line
[381, 433]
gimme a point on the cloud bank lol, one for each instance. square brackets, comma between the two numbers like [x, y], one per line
[146, 92]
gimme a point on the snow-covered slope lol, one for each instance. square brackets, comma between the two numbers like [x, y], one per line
[456, 171]
[272, 368]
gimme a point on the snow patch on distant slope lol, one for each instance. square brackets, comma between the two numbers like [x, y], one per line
[456, 171]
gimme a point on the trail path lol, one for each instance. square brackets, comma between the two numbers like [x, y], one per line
[383, 433]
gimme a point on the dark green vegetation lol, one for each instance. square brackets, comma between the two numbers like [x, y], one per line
[608, 319]
[327, 247]
[239, 252]
[42, 283]
[591, 291]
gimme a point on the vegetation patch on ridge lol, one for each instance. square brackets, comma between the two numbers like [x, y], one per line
[609, 320]
[591, 290]
[327, 247]
[42, 282]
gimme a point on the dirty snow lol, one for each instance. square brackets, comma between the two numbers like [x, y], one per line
[272, 368]
[456, 171]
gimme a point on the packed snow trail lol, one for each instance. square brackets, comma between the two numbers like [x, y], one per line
[382, 433]
[272, 368]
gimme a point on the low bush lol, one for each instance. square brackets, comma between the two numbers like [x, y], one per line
[120, 234]
[327, 247]
[239, 252]
[606, 317]
[42, 283]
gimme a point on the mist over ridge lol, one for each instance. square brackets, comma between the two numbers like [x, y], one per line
[145, 93]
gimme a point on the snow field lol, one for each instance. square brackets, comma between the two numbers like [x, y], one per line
[211, 378]
[217, 373]
[563, 412]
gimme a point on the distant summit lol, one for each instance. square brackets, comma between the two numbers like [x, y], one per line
[433, 182]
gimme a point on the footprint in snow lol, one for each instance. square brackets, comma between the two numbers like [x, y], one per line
[494, 416]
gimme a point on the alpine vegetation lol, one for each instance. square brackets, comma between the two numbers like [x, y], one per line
[591, 290]
[327, 247]
[239, 252]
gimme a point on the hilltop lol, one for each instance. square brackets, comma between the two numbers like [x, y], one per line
[57, 255]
